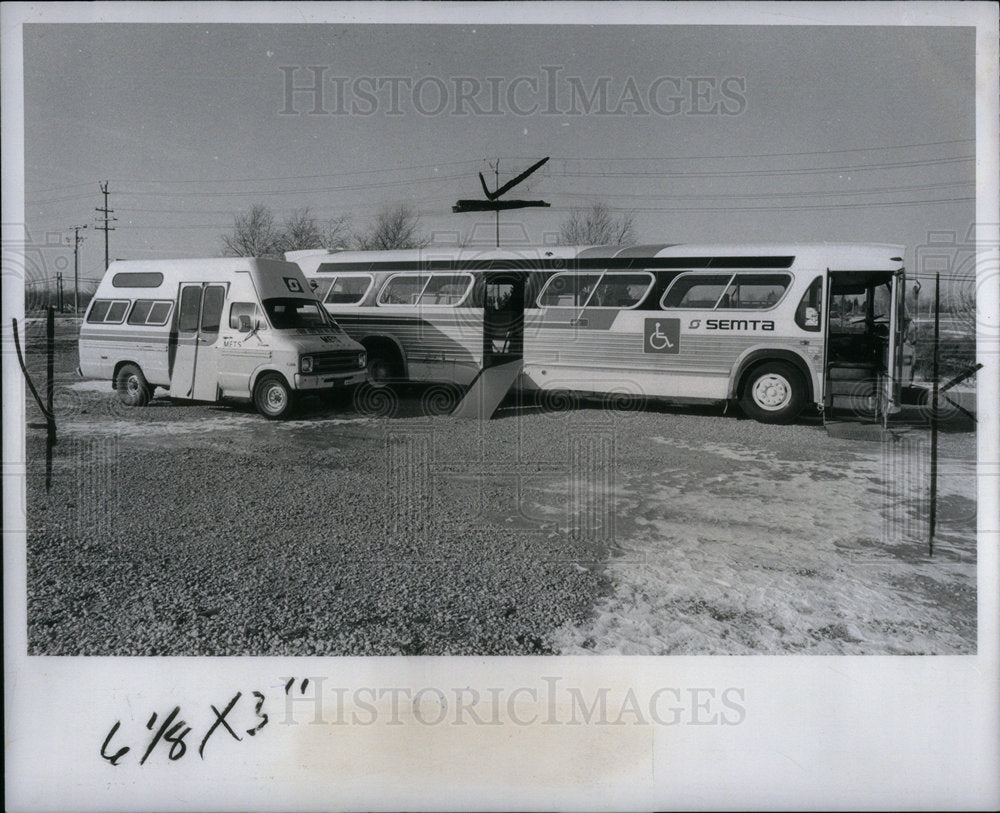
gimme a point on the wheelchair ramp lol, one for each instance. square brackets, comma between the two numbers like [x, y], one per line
[488, 390]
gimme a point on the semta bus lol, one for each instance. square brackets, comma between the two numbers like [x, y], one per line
[205, 330]
[776, 328]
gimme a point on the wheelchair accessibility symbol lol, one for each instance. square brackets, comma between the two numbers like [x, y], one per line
[662, 336]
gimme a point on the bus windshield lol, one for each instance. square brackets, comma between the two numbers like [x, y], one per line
[291, 312]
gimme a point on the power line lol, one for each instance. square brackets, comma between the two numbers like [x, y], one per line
[775, 208]
[724, 156]
[757, 195]
[765, 172]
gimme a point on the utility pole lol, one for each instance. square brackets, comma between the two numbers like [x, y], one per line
[77, 239]
[107, 218]
[59, 290]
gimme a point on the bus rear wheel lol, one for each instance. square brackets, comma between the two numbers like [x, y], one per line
[774, 392]
[132, 387]
[273, 398]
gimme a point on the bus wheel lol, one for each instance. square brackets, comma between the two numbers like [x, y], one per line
[132, 387]
[774, 392]
[382, 365]
[273, 398]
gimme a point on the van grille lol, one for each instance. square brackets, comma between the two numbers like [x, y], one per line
[341, 362]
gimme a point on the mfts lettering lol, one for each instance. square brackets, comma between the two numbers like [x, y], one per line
[738, 324]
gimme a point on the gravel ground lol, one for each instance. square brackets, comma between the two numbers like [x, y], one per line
[192, 529]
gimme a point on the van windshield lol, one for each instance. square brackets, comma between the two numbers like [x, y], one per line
[294, 313]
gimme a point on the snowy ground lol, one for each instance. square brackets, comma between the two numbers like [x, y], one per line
[663, 531]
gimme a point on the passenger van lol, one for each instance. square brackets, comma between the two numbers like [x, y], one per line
[230, 327]
[775, 328]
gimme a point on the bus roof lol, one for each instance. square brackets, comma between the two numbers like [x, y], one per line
[837, 256]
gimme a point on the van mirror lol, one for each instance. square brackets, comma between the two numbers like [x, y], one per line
[244, 323]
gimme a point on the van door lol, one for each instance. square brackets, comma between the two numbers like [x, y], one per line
[195, 372]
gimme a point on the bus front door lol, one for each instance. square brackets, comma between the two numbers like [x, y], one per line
[503, 346]
[195, 371]
[503, 319]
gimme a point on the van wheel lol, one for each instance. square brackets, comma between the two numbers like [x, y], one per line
[273, 398]
[132, 387]
[774, 392]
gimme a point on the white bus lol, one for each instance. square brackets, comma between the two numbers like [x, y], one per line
[231, 327]
[774, 327]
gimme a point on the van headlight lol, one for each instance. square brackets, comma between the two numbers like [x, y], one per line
[305, 364]
[362, 358]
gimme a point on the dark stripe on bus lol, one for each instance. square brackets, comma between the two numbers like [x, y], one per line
[558, 264]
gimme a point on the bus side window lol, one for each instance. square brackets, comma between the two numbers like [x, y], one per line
[696, 291]
[807, 314]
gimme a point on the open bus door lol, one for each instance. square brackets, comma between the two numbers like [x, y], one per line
[894, 351]
[863, 344]
[503, 345]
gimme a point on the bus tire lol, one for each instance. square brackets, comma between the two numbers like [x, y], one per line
[773, 392]
[384, 364]
[131, 386]
[273, 397]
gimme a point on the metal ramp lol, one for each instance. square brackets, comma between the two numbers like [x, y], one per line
[487, 391]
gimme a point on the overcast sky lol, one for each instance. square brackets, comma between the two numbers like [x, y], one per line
[722, 134]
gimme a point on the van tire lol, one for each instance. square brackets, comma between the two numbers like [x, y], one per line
[273, 397]
[132, 387]
[773, 392]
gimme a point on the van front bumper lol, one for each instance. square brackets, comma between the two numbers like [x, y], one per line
[332, 381]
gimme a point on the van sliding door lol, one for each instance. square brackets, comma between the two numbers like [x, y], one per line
[195, 369]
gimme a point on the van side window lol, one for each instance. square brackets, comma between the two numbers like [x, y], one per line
[211, 310]
[190, 310]
[137, 279]
[149, 312]
[116, 313]
[238, 309]
[98, 310]
[807, 314]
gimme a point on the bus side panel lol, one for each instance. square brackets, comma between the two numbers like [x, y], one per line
[438, 343]
[608, 351]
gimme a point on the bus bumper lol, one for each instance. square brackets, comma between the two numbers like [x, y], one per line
[326, 382]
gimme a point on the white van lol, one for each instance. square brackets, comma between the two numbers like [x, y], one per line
[230, 327]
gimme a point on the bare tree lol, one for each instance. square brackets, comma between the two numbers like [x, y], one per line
[254, 234]
[300, 230]
[394, 227]
[337, 233]
[597, 225]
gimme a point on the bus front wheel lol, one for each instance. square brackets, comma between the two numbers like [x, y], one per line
[132, 387]
[774, 392]
[273, 398]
